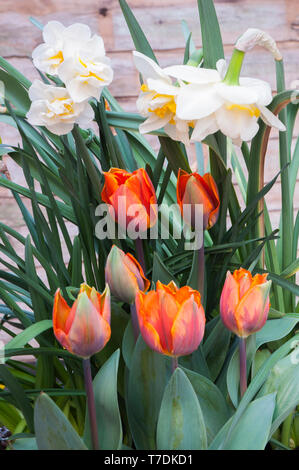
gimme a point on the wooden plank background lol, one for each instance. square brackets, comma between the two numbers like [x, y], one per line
[160, 20]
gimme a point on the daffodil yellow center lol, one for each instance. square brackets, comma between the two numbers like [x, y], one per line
[58, 56]
[67, 107]
[90, 74]
[251, 109]
[169, 107]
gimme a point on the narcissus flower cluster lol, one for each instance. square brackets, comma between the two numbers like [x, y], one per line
[78, 59]
[202, 101]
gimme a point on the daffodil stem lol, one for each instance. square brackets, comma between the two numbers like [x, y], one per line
[201, 271]
[140, 253]
[243, 366]
[134, 319]
[234, 68]
[175, 363]
[91, 404]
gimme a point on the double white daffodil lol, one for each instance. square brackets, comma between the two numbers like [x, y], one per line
[54, 108]
[76, 57]
[158, 101]
[204, 97]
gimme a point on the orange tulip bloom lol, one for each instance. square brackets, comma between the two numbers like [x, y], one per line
[171, 320]
[124, 275]
[244, 302]
[83, 329]
[123, 190]
[194, 189]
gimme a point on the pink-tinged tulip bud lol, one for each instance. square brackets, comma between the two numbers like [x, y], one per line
[244, 302]
[124, 275]
[194, 190]
[83, 329]
[171, 320]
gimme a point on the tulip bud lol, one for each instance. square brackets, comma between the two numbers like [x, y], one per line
[124, 275]
[83, 329]
[171, 320]
[128, 194]
[193, 190]
[244, 302]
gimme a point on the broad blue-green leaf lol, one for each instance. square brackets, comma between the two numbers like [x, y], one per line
[25, 443]
[252, 430]
[107, 410]
[180, 424]
[274, 330]
[283, 379]
[52, 428]
[149, 375]
[212, 403]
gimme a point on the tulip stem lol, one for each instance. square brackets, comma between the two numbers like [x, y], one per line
[243, 366]
[201, 271]
[140, 253]
[91, 404]
[175, 363]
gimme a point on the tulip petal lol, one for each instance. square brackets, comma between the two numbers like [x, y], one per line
[188, 328]
[148, 320]
[229, 301]
[252, 311]
[61, 311]
[89, 331]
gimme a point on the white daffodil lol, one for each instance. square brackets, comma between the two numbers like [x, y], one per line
[87, 70]
[219, 105]
[157, 101]
[59, 43]
[53, 108]
[77, 57]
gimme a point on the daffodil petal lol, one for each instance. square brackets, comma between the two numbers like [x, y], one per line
[270, 119]
[195, 75]
[197, 101]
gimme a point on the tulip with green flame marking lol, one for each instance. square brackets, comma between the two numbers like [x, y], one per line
[124, 275]
[83, 329]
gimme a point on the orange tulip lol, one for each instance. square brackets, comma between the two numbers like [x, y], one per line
[244, 302]
[171, 320]
[134, 189]
[83, 329]
[124, 275]
[194, 189]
